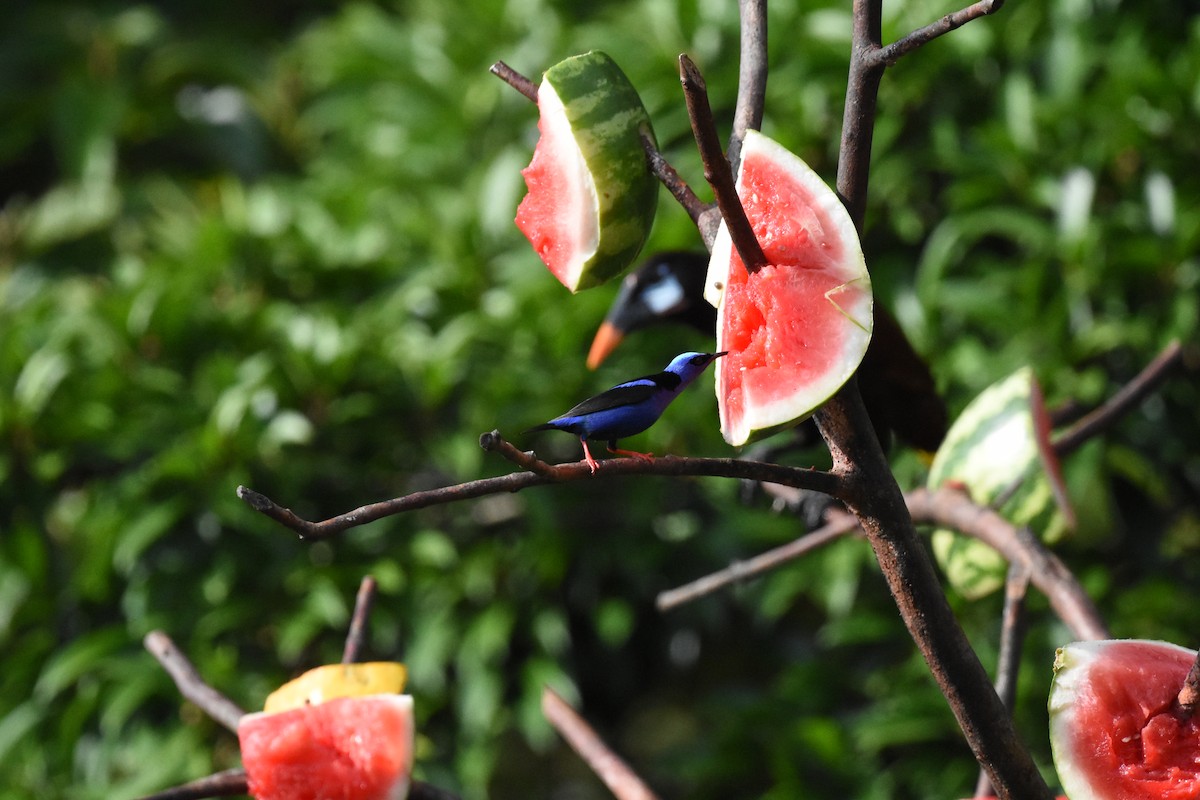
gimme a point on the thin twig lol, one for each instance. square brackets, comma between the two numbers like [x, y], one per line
[752, 76]
[954, 509]
[901, 47]
[493, 442]
[1129, 395]
[716, 168]
[947, 508]
[813, 479]
[356, 636]
[752, 567]
[1012, 641]
[189, 682]
[515, 79]
[230, 783]
[622, 781]
[676, 185]
[233, 782]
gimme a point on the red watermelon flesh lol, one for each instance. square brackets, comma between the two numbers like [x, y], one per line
[557, 213]
[350, 748]
[796, 329]
[1116, 727]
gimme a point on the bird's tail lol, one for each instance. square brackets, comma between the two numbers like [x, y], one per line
[545, 426]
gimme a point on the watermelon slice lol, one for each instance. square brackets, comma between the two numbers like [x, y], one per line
[796, 329]
[1116, 729]
[999, 449]
[338, 680]
[591, 197]
[349, 748]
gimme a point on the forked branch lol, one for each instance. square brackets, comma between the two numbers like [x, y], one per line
[540, 473]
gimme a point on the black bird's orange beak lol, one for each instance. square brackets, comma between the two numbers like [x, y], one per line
[606, 340]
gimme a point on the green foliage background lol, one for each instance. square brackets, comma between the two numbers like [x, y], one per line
[271, 244]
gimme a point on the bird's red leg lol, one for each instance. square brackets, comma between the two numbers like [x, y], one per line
[612, 448]
[587, 456]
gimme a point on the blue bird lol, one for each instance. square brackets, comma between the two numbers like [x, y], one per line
[629, 408]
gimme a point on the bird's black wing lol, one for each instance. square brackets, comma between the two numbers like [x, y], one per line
[626, 394]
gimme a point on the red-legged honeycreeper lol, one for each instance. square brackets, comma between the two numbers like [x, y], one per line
[629, 408]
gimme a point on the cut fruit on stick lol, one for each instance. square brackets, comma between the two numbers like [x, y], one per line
[349, 748]
[999, 450]
[592, 197]
[1116, 729]
[797, 328]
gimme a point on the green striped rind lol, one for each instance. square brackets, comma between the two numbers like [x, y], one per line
[995, 450]
[607, 118]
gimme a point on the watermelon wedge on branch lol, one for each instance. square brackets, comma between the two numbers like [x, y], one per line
[338, 732]
[592, 197]
[999, 449]
[1117, 729]
[797, 328]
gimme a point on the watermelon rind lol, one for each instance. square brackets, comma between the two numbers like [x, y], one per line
[848, 297]
[1072, 689]
[591, 110]
[999, 450]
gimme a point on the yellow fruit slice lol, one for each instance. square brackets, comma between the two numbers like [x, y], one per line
[337, 680]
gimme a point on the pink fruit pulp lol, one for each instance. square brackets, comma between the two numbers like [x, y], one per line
[784, 324]
[351, 748]
[1130, 738]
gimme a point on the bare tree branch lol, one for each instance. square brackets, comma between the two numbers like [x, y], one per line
[233, 782]
[1012, 641]
[189, 682]
[230, 783]
[901, 47]
[946, 508]
[954, 509]
[874, 497]
[364, 601]
[716, 168]
[752, 76]
[1129, 395]
[541, 474]
[752, 567]
[515, 79]
[676, 185]
[622, 781]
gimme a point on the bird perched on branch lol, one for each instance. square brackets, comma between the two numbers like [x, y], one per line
[897, 387]
[629, 408]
